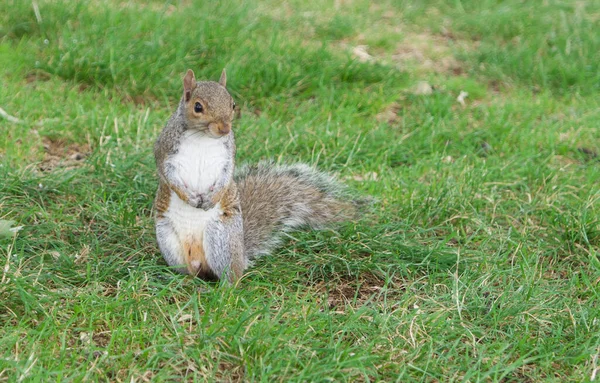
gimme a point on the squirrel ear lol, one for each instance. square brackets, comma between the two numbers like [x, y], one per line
[223, 79]
[189, 83]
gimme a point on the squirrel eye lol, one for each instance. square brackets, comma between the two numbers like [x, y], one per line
[198, 107]
[234, 106]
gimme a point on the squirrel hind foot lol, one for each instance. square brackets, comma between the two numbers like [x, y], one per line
[207, 275]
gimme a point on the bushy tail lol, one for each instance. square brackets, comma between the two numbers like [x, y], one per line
[280, 198]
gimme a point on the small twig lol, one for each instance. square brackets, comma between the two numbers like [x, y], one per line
[36, 10]
[594, 367]
[16, 120]
[7, 266]
[9, 117]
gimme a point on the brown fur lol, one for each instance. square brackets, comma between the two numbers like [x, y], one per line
[163, 197]
[193, 249]
[179, 193]
[162, 200]
[229, 199]
[237, 267]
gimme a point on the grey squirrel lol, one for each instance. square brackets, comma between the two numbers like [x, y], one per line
[212, 221]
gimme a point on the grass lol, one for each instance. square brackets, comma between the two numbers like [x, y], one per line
[479, 261]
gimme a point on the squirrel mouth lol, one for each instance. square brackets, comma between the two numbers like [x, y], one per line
[215, 133]
[200, 128]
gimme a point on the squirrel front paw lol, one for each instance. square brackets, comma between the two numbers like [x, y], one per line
[196, 200]
[201, 201]
[207, 204]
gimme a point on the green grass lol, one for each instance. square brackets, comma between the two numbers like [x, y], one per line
[479, 261]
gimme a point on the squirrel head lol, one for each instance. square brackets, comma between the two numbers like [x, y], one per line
[207, 104]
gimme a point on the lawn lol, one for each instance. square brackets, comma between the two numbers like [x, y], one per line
[473, 125]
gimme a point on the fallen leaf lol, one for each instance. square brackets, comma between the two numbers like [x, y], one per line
[423, 88]
[461, 97]
[7, 229]
[85, 338]
[369, 176]
[185, 318]
[390, 114]
[82, 255]
[360, 52]
[588, 153]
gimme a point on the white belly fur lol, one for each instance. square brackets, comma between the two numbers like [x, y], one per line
[199, 161]
[187, 220]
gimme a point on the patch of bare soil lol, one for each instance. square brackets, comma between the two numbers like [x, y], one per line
[37, 76]
[356, 292]
[61, 153]
[431, 52]
[137, 100]
[144, 99]
[101, 339]
[389, 114]
[230, 372]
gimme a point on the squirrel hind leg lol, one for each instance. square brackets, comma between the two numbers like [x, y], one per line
[224, 245]
[169, 245]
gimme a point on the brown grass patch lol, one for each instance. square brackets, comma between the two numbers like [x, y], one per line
[230, 372]
[587, 153]
[101, 339]
[139, 100]
[37, 76]
[61, 153]
[389, 114]
[431, 52]
[427, 51]
[355, 292]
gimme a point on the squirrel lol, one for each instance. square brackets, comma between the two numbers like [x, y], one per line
[212, 220]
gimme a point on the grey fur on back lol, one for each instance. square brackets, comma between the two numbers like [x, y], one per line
[280, 198]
